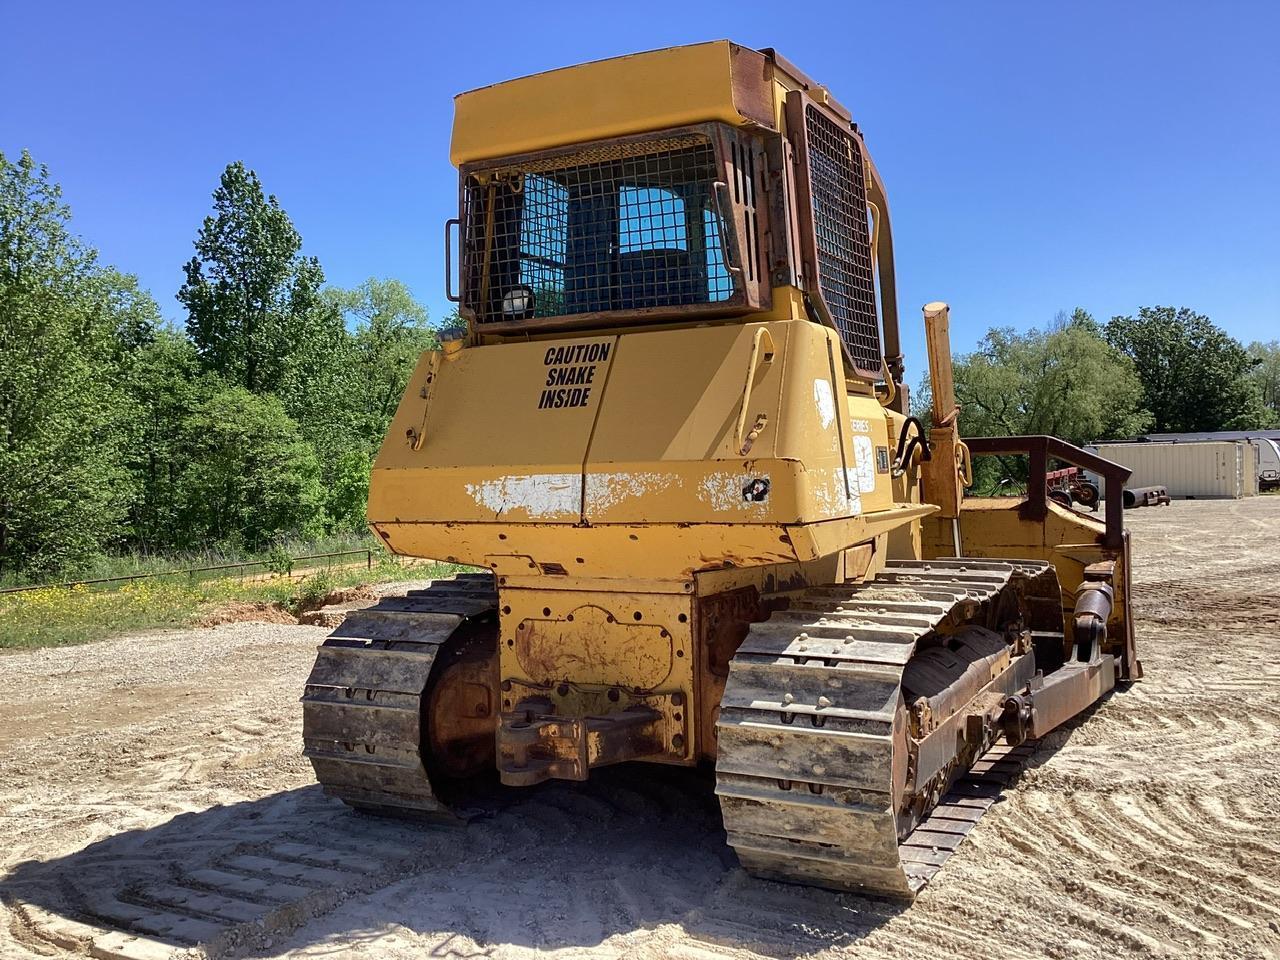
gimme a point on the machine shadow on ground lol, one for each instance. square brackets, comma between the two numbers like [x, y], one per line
[561, 865]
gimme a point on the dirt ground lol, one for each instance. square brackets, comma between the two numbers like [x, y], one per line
[1149, 828]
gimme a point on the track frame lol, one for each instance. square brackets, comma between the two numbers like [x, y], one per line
[831, 769]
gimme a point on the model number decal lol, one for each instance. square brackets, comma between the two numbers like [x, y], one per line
[571, 374]
[860, 426]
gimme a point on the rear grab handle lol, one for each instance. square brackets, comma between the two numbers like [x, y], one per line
[742, 439]
[448, 259]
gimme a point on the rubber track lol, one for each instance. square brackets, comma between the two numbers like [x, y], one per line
[362, 723]
[806, 730]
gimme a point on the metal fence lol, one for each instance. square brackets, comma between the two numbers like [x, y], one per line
[297, 567]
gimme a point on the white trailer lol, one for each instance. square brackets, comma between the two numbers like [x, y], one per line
[1265, 442]
[1268, 463]
[1189, 470]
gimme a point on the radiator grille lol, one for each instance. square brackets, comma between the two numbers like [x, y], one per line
[843, 237]
[627, 227]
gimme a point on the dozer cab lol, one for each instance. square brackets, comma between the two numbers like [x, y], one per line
[675, 434]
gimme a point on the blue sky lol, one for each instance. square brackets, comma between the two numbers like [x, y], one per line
[1038, 156]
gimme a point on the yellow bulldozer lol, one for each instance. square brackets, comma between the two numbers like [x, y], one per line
[674, 433]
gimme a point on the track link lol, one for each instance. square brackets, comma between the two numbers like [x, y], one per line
[812, 742]
[362, 712]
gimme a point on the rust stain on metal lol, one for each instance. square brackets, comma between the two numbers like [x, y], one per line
[592, 645]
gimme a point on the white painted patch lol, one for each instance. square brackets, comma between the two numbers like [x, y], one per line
[826, 487]
[835, 492]
[825, 401]
[543, 496]
[864, 456]
[722, 492]
[608, 490]
[855, 491]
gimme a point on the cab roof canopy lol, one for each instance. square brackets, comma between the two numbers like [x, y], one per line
[657, 90]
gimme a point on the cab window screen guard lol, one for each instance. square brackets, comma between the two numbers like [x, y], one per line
[834, 223]
[628, 227]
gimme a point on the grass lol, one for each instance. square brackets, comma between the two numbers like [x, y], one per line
[136, 562]
[58, 616]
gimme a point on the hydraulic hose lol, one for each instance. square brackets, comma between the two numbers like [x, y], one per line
[906, 448]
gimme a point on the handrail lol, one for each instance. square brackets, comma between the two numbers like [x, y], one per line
[882, 252]
[1038, 449]
[761, 334]
[448, 260]
[730, 254]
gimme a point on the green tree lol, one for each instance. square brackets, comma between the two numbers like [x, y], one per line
[249, 477]
[347, 488]
[249, 292]
[1081, 319]
[390, 331]
[1266, 376]
[318, 384]
[1194, 376]
[163, 375]
[344, 384]
[1066, 382]
[64, 416]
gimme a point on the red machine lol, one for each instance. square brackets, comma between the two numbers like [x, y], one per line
[1068, 487]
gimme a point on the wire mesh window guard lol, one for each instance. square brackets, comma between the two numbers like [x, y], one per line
[627, 227]
[843, 236]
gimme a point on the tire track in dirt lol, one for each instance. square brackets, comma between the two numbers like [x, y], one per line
[225, 880]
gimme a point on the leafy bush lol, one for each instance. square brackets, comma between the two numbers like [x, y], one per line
[249, 477]
[278, 561]
[312, 590]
